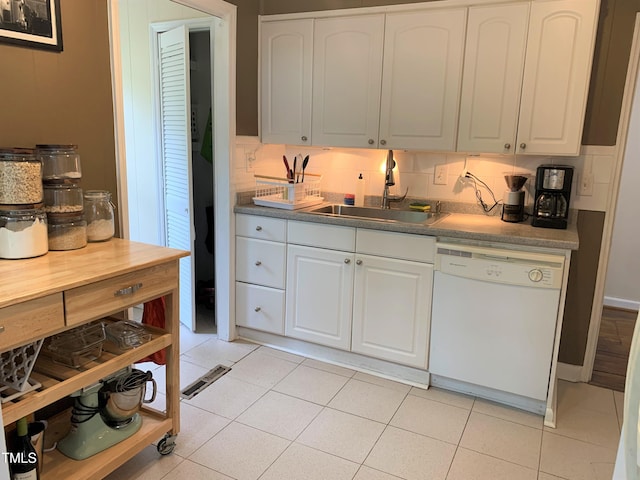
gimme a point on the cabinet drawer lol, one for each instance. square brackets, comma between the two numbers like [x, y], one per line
[102, 298]
[28, 321]
[419, 248]
[259, 307]
[260, 262]
[264, 228]
[322, 236]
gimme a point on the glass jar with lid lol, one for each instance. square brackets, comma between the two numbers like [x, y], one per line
[23, 232]
[63, 198]
[99, 213]
[67, 231]
[59, 162]
[20, 177]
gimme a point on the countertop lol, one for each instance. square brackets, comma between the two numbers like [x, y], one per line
[454, 225]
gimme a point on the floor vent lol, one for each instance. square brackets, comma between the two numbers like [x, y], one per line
[204, 381]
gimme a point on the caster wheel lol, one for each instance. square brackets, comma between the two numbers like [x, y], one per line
[166, 448]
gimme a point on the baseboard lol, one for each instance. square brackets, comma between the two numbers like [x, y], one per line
[621, 303]
[568, 372]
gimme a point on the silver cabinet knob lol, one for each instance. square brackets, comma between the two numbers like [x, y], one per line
[383, 142]
[358, 262]
[507, 146]
[257, 309]
[258, 263]
[258, 228]
[523, 146]
[304, 138]
[371, 142]
[347, 261]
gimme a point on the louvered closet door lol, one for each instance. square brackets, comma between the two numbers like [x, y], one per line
[176, 158]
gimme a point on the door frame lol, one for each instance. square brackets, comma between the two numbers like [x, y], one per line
[224, 125]
[633, 76]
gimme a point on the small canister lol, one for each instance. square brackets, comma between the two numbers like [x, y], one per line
[60, 163]
[99, 213]
[67, 231]
[23, 232]
[20, 177]
[63, 198]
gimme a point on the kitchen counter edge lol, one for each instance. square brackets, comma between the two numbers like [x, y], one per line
[455, 225]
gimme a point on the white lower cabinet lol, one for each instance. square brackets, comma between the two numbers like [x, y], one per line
[391, 309]
[319, 295]
[360, 290]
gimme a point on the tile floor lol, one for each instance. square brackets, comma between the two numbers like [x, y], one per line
[282, 416]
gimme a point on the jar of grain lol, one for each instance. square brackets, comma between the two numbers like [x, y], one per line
[67, 231]
[99, 213]
[59, 162]
[23, 232]
[62, 198]
[20, 177]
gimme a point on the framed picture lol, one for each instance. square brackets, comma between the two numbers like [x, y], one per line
[31, 23]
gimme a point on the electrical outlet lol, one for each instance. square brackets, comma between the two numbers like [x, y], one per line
[250, 158]
[440, 175]
[586, 184]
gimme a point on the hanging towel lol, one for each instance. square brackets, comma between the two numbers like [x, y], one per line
[154, 314]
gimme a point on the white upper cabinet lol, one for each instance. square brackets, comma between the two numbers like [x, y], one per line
[493, 67]
[422, 71]
[347, 69]
[556, 76]
[285, 70]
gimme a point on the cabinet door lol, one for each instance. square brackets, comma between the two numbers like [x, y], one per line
[423, 53]
[285, 70]
[493, 66]
[319, 295]
[556, 76]
[347, 68]
[392, 309]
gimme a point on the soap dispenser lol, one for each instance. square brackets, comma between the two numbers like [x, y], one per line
[360, 191]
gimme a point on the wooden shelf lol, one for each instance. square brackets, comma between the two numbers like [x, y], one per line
[59, 381]
[58, 466]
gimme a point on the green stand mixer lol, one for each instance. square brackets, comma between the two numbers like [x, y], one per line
[106, 413]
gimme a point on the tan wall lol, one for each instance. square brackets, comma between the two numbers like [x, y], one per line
[65, 97]
[610, 60]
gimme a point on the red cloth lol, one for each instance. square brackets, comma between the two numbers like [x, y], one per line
[154, 314]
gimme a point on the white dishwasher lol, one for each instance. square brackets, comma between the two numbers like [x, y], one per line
[494, 317]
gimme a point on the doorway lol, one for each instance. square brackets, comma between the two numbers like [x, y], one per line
[202, 166]
[616, 285]
[135, 111]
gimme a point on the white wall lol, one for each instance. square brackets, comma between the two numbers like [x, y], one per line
[622, 287]
[340, 169]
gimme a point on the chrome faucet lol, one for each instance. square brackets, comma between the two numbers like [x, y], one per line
[389, 181]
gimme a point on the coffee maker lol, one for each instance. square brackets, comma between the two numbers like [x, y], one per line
[513, 199]
[553, 191]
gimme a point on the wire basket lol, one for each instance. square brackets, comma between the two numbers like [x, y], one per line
[280, 193]
[16, 365]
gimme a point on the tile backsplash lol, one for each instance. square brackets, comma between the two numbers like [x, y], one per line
[340, 168]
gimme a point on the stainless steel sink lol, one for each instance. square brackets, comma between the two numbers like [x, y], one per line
[379, 214]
